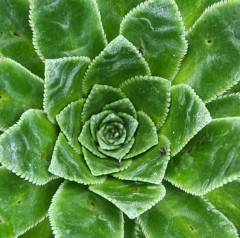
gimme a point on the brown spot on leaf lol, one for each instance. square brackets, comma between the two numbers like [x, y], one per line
[135, 189]
[15, 34]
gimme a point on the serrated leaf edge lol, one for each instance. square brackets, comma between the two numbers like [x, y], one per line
[10, 167]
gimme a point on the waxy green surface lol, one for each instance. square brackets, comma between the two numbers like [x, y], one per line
[210, 67]
[19, 197]
[75, 210]
[59, 31]
[182, 215]
[15, 81]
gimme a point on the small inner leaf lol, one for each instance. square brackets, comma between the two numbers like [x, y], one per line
[68, 164]
[26, 148]
[132, 198]
[119, 61]
[75, 211]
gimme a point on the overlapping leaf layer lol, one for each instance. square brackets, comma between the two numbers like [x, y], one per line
[132, 92]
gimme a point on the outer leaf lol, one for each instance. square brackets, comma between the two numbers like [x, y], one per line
[119, 61]
[41, 230]
[155, 27]
[191, 12]
[68, 164]
[187, 116]
[112, 14]
[59, 28]
[149, 94]
[210, 67]
[63, 83]
[26, 148]
[181, 215]
[83, 214]
[22, 203]
[226, 200]
[225, 106]
[69, 120]
[132, 198]
[101, 166]
[150, 166]
[145, 137]
[99, 96]
[17, 83]
[212, 156]
[16, 35]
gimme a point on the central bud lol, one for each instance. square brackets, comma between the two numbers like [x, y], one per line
[113, 132]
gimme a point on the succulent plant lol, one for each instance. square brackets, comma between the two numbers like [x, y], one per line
[119, 118]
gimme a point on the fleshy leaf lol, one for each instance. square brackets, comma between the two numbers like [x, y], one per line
[26, 148]
[16, 35]
[181, 215]
[112, 14]
[225, 106]
[69, 120]
[145, 136]
[187, 116]
[122, 105]
[75, 211]
[149, 94]
[119, 61]
[129, 227]
[41, 230]
[210, 67]
[226, 200]
[66, 28]
[150, 166]
[101, 166]
[17, 83]
[156, 29]
[191, 12]
[22, 203]
[212, 157]
[63, 83]
[87, 140]
[68, 164]
[133, 198]
[99, 96]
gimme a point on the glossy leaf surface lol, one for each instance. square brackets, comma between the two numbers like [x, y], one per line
[66, 163]
[161, 38]
[176, 216]
[133, 198]
[83, 212]
[59, 29]
[119, 61]
[26, 148]
[205, 157]
[63, 80]
[22, 203]
[187, 116]
[210, 67]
